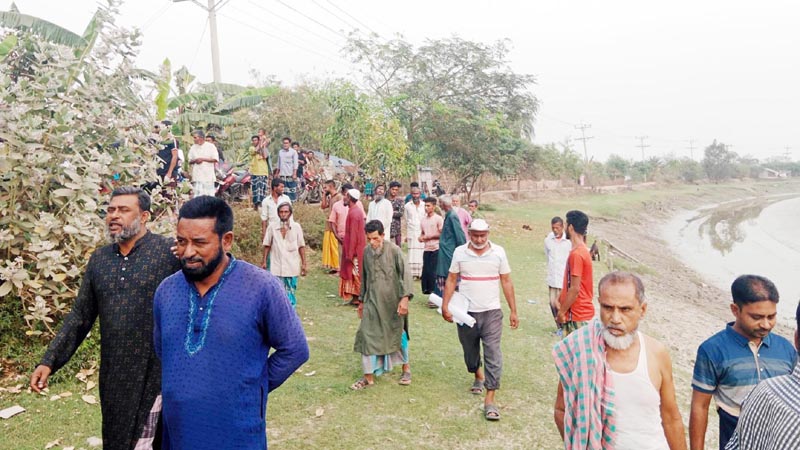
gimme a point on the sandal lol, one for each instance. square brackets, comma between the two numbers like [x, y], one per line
[477, 387]
[361, 384]
[405, 379]
[491, 412]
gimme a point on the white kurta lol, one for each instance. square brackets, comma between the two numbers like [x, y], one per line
[382, 211]
[413, 214]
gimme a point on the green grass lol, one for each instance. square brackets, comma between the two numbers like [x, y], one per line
[436, 411]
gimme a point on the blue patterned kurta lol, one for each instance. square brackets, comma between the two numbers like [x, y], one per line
[217, 397]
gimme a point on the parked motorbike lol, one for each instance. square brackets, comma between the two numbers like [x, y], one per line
[312, 193]
[233, 183]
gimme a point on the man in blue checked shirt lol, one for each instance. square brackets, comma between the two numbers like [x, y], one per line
[732, 362]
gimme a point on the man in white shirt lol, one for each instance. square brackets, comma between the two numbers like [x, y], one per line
[483, 268]
[556, 252]
[381, 209]
[269, 206]
[414, 212]
[203, 157]
[285, 248]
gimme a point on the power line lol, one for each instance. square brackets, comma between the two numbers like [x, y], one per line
[641, 144]
[279, 38]
[351, 16]
[155, 16]
[197, 50]
[691, 148]
[305, 30]
[295, 36]
[584, 138]
[311, 18]
[350, 25]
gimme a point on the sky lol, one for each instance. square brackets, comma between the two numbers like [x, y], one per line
[680, 73]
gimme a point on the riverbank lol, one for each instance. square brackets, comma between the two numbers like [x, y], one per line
[314, 409]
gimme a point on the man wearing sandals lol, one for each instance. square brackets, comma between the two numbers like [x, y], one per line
[483, 268]
[386, 287]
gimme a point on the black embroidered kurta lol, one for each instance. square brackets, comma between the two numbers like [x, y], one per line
[119, 289]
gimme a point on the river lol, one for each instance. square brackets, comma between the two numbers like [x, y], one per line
[754, 235]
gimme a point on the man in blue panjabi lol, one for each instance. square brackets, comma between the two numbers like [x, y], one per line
[215, 324]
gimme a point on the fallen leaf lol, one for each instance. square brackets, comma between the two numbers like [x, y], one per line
[94, 441]
[90, 384]
[320, 412]
[54, 398]
[65, 394]
[311, 374]
[90, 399]
[14, 390]
[52, 444]
[69, 448]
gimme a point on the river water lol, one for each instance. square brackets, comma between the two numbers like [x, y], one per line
[757, 235]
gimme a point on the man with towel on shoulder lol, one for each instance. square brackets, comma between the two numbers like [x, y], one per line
[615, 388]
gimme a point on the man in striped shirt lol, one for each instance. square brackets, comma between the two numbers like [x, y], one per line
[770, 416]
[731, 363]
[483, 267]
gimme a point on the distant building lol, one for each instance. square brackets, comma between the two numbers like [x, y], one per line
[771, 174]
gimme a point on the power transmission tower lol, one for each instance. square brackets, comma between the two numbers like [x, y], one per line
[641, 145]
[787, 153]
[212, 8]
[691, 149]
[584, 138]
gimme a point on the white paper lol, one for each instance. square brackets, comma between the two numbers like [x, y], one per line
[11, 412]
[458, 307]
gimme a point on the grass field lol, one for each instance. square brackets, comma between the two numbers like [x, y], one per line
[315, 408]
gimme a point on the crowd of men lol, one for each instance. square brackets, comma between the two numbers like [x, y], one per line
[174, 375]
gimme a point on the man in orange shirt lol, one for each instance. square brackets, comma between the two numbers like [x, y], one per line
[576, 308]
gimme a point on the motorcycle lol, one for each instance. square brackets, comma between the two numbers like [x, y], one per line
[312, 193]
[438, 191]
[232, 184]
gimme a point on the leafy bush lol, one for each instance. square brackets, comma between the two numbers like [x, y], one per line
[72, 126]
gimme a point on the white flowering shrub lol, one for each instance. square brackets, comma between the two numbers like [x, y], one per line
[72, 127]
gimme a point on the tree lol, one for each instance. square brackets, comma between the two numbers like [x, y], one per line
[718, 161]
[617, 167]
[72, 124]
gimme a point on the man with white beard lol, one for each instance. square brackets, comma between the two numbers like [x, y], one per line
[616, 388]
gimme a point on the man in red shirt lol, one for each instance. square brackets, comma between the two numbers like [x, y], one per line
[576, 308]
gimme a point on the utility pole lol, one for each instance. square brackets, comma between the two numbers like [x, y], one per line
[212, 21]
[584, 138]
[641, 144]
[691, 149]
[787, 154]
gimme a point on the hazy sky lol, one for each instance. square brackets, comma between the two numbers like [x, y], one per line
[674, 71]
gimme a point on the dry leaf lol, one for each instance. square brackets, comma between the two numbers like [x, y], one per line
[68, 448]
[311, 374]
[52, 444]
[94, 441]
[52, 399]
[15, 390]
[90, 399]
[65, 394]
[320, 412]
[90, 384]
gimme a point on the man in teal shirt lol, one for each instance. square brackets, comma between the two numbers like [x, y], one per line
[452, 237]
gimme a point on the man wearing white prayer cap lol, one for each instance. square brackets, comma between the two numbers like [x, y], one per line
[483, 268]
[352, 249]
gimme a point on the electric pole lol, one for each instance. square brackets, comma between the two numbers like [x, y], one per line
[787, 154]
[691, 149]
[584, 138]
[212, 21]
[641, 144]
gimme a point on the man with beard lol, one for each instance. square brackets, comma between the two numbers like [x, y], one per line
[382, 337]
[556, 251]
[732, 362]
[414, 211]
[380, 208]
[483, 269]
[285, 247]
[452, 236]
[215, 324]
[397, 202]
[575, 307]
[352, 249]
[118, 286]
[615, 385]
[203, 157]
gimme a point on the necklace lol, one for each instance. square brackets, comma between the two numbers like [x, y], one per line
[194, 344]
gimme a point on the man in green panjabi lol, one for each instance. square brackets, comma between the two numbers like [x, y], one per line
[452, 236]
[386, 288]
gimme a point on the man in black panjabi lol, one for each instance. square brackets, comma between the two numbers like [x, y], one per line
[118, 287]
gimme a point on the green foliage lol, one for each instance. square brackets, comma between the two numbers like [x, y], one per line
[718, 162]
[7, 45]
[163, 89]
[74, 126]
[617, 166]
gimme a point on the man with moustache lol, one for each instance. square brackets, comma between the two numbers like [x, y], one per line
[352, 249]
[118, 287]
[216, 322]
[615, 387]
[285, 246]
[557, 248]
[575, 307]
[733, 361]
[380, 208]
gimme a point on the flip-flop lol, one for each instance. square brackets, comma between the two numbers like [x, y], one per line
[405, 379]
[477, 387]
[491, 412]
[361, 384]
